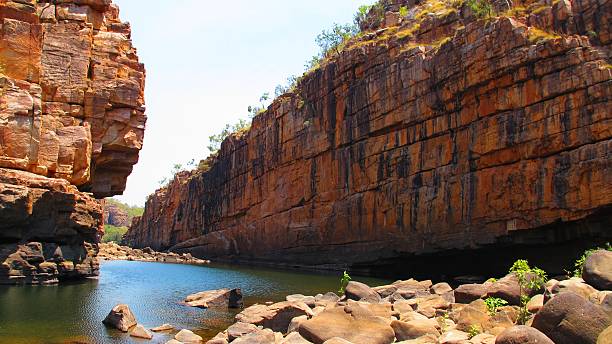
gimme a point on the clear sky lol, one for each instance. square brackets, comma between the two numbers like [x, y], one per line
[207, 61]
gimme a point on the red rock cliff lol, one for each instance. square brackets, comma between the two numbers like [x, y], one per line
[71, 127]
[436, 132]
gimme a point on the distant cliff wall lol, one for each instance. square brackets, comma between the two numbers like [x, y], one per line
[71, 127]
[436, 132]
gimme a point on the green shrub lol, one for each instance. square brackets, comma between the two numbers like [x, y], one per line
[529, 279]
[403, 11]
[344, 282]
[481, 8]
[493, 303]
[473, 331]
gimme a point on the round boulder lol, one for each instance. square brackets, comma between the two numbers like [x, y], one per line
[522, 335]
[361, 292]
[598, 270]
[570, 319]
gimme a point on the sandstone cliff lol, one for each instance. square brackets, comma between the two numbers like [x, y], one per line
[429, 133]
[71, 126]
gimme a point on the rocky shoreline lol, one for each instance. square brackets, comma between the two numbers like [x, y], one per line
[522, 307]
[113, 251]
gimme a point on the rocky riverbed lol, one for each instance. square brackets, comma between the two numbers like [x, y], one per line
[521, 307]
[113, 251]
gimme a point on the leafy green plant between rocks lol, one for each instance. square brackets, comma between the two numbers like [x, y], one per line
[529, 279]
[442, 321]
[579, 264]
[403, 11]
[346, 278]
[473, 331]
[493, 303]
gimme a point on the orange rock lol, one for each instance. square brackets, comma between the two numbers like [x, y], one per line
[390, 150]
[71, 123]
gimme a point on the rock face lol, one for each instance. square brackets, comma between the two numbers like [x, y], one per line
[114, 215]
[442, 133]
[71, 126]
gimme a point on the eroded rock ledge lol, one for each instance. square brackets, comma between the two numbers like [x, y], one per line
[71, 127]
[451, 134]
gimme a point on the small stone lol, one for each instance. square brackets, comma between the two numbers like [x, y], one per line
[140, 332]
[162, 328]
[188, 337]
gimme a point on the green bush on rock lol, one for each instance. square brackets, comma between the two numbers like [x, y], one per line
[529, 279]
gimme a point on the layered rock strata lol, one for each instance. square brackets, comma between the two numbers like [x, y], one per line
[433, 132]
[71, 126]
[115, 216]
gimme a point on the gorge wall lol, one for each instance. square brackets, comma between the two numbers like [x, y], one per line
[434, 133]
[71, 127]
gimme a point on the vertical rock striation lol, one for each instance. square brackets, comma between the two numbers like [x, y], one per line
[431, 133]
[71, 127]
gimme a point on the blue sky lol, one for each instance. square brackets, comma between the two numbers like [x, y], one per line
[207, 62]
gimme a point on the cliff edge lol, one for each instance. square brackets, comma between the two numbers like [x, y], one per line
[71, 127]
[432, 131]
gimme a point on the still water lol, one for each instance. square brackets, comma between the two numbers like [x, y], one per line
[74, 313]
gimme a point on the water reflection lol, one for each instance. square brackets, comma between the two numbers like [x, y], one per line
[73, 313]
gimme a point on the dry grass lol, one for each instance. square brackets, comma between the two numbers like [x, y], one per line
[536, 35]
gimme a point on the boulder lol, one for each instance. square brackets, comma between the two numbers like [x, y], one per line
[361, 292]
[326, 299]
[173, 341]
[414, 329]
[606, 336]
[188, 337]
[277, 316]
[121, 318]
[483, 338]
[454, 337]
[440, 288]
[522, 335]
[469, 292]
[220, 338]
[426, 339]
[231, 298]
[508, 288]
[265, 336]
[570, 319]
[597, 270]
[294, 338]
[404, 306]
[309, 300]
[383, 309]
[163, 328]
[536, 303]
[140, 332]
[335, 322]
[240, 329]
[575, 285]
[337, 340]
[295, 323]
